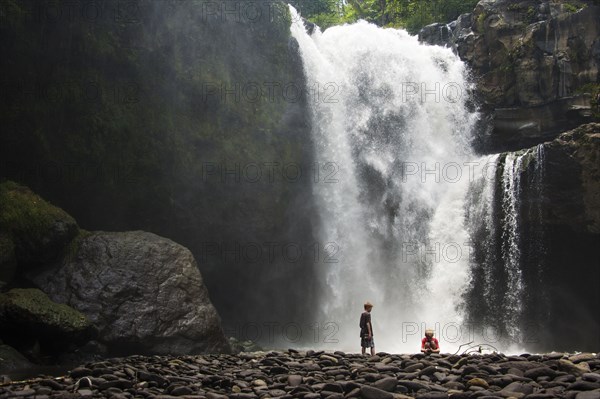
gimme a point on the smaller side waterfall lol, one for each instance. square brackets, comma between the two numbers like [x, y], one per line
[510, 237]
[504, 219]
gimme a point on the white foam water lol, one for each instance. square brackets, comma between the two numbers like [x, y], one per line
[391, 116]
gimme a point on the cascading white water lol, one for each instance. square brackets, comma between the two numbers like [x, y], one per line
[391, 115]
[511, 185]
[495, 218]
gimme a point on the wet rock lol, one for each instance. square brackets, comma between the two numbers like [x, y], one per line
[433, 395]
[413, 385]
[369, 392]
[539, 372]
[247, 377]
[518, 387]
[583, 386]
[477, 382]
[152, 294]
[588, 395]
[570, 367]
[582, 357]
[386, 384]
[294, 380]
[593, 377]
[40, 231]
[28, 315]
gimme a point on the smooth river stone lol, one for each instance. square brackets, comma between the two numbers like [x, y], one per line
[369, 392]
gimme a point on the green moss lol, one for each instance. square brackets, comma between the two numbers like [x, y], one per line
[23, 211]
[573, 7]
[33, 306]
[590, 88]
[480, 23]
[531, 14]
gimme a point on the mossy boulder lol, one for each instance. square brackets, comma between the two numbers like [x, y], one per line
[28, 315]
[39, 231]
[144, 293]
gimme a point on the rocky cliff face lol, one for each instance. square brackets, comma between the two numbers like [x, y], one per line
[555, 224]
[184, 118]
[535, 64]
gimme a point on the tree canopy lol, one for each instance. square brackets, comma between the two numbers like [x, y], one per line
[411, 15]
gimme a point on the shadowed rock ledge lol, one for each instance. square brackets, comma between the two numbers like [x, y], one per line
[535, 63]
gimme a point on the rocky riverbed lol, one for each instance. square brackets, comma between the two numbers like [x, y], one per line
[313, 375]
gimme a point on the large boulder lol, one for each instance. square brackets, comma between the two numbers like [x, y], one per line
[536, 64]
[28, 316]
[39, 231]
[143, 292]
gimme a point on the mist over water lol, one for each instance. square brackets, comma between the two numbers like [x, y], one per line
[390, 115]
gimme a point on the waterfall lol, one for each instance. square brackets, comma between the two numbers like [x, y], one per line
[511, 256]
[507, 274]
[392, 128]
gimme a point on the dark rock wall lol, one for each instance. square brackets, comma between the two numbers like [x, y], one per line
[184, 118]
[535, 63]
[557, 215]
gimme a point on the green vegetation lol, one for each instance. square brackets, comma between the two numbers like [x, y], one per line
[411, 15]
[32, 307]
[574, 6]
[24, 213]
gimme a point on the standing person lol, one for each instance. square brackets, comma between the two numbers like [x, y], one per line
[366, 330]
[429, 344]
